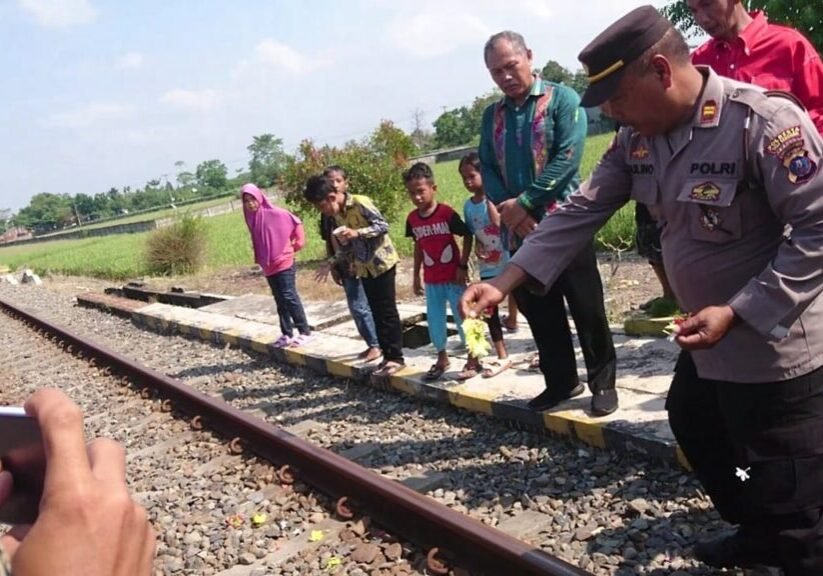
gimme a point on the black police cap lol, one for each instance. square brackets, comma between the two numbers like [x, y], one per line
[607, 56]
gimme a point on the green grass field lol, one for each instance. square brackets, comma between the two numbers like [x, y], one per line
[121, 256]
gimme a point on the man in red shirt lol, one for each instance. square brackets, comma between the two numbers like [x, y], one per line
[745, 47]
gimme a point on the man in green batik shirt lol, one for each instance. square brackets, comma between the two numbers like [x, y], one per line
[531, 145]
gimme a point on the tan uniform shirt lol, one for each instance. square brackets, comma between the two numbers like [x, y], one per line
[722, 240]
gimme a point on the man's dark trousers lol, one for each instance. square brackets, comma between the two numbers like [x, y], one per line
[757, 448]
[582, 288]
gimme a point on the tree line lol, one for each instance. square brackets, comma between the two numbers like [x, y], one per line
[372, 160]
[47, 211]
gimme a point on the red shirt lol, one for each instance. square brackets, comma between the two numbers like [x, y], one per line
[434, 235]
[774, 57]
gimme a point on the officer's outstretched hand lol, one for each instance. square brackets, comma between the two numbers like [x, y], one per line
[706, 328]
[88, 523]
[477, 297]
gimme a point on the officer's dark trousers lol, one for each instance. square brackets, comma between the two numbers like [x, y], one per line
[774, 433]
[582, 288]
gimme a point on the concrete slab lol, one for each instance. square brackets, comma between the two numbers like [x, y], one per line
[260, 308]
[122, 307]
[644, 374]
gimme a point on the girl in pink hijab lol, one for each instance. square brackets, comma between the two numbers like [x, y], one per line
[276, 234]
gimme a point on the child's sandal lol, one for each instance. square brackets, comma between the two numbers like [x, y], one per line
[435, 372]
[496, 367]
[470, 370]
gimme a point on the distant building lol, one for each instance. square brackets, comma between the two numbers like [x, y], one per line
[14, 234]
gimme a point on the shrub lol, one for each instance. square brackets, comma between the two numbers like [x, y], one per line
[374, 167]
[177, 249]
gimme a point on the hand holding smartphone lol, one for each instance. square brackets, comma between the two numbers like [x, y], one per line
[21, 453]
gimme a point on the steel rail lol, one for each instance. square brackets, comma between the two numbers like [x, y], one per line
[399, 509]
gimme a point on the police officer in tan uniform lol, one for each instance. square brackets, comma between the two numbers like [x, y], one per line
[724, 167]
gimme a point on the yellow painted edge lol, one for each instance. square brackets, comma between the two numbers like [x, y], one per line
[261, 344]
[231, 336]
[295, 356]
[337, 368]
[590, 433]
[587, 431]
[474, 401]
[398, 380]
[403, 385]
[205, 333]
[557, 424]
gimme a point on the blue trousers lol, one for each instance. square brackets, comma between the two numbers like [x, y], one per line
[436, 297]
[360, 311]
[289, 307]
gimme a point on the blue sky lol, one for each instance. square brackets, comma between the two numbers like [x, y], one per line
[101, 93]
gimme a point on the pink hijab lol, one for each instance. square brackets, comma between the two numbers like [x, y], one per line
[271, 228]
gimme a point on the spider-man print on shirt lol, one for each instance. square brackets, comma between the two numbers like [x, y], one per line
[435, 236]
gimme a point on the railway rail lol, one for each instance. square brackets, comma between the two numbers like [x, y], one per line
[453, 542]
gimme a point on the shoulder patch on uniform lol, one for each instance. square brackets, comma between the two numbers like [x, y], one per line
[788, 138]
[789, 147]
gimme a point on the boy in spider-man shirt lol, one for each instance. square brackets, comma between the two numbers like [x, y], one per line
[433, 226]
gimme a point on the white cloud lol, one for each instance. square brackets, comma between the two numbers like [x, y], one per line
[192, 100]
[89, 115]
[278, 55]
[436, 32]
[130, 61]
[59, 13]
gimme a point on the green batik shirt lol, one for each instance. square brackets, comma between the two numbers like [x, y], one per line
[372, 252]
[532, 152]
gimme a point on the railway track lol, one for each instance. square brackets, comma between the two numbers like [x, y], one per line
[609, 514]
[229, 481]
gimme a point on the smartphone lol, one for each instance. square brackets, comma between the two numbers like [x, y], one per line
[21, 453]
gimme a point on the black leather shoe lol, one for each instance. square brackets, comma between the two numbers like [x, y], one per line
[735, 549]
[604, 402]
[549, 398]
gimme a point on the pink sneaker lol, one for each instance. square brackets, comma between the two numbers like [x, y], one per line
[283, 341]
[301, 340]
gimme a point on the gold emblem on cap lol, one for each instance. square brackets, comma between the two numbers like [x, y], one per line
[610, 70]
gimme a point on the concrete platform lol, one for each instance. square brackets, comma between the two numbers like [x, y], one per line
[123, 307]
[644, 369]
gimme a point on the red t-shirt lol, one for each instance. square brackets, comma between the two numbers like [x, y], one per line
[773, 57]
[434, 234]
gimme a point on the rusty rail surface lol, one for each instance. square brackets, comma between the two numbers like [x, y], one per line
[428, 524]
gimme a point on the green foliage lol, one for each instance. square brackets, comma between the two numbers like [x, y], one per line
[555, 72]
[212, 174]
[374, 167]
[803, 15]
[460, 126]
[267, 159]
[46, 212]
[176, 249]
[454, 128]
[5, 219]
